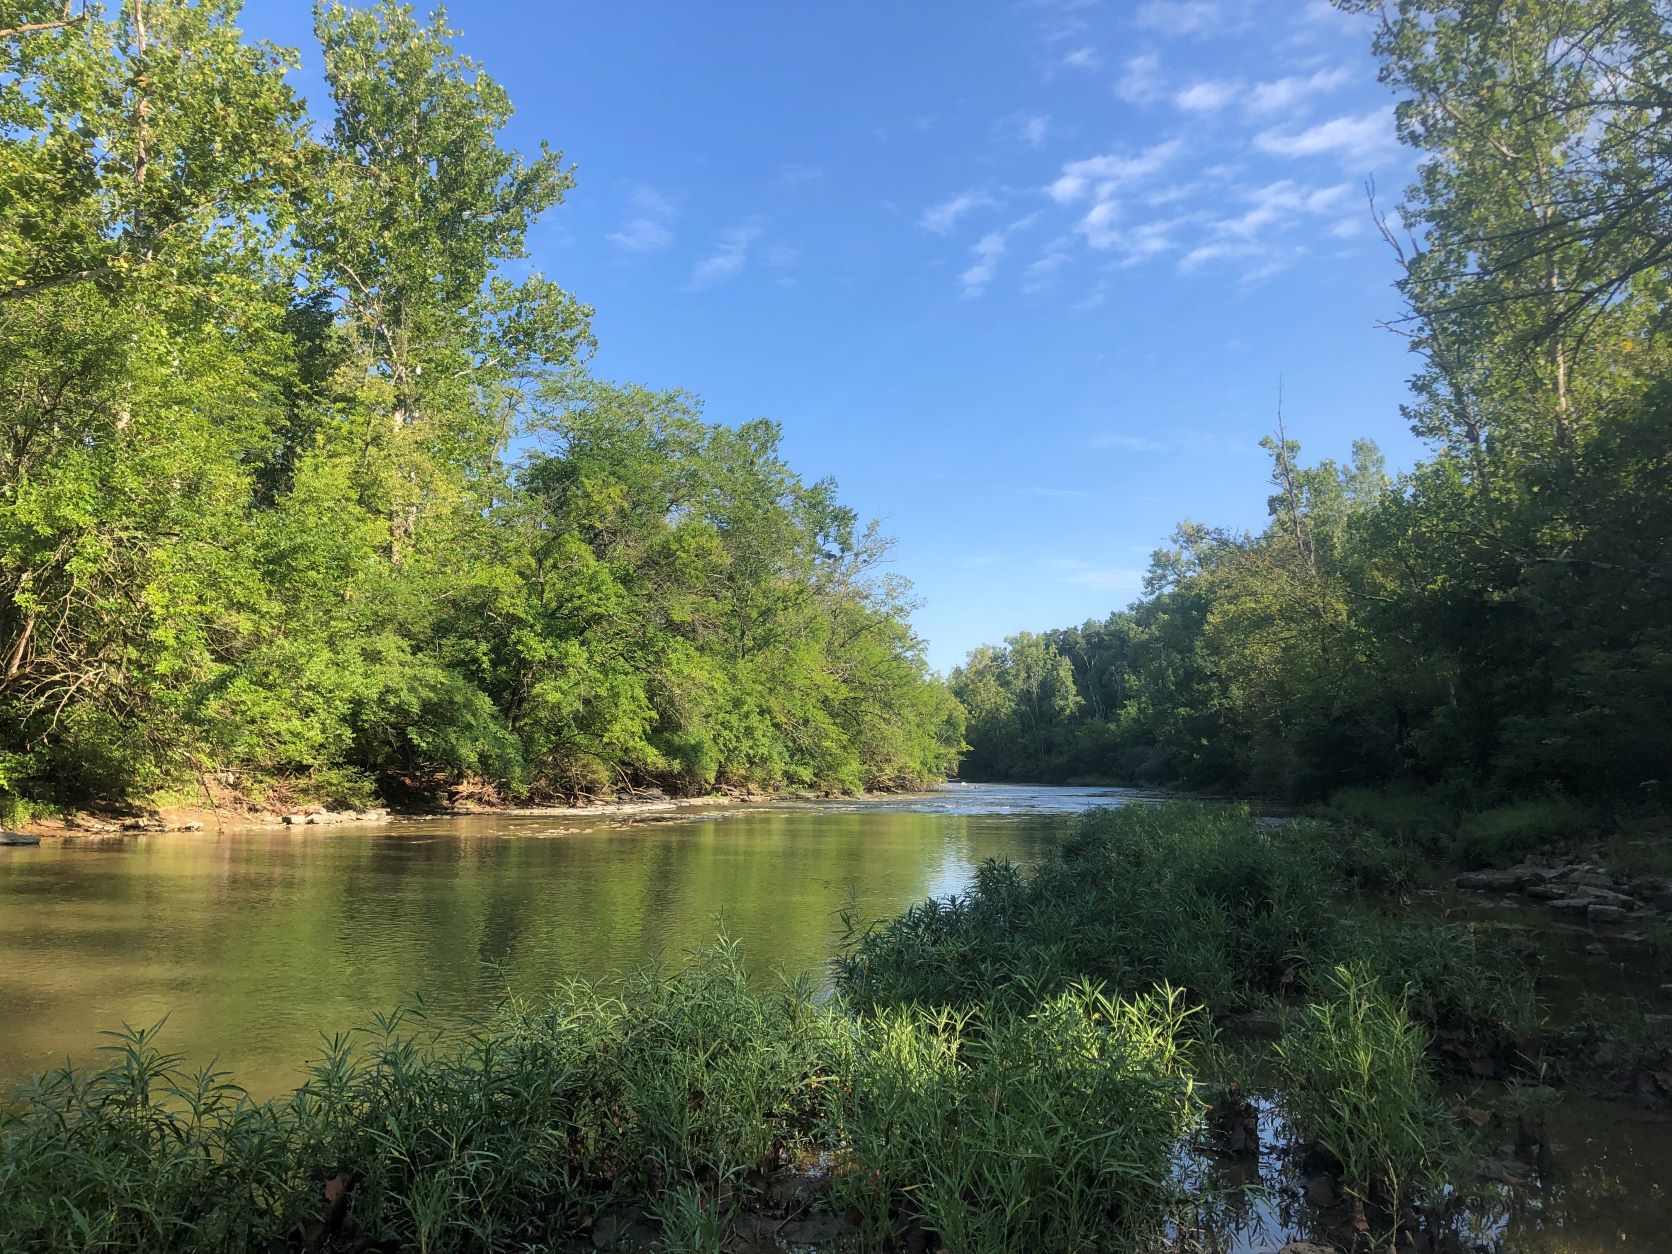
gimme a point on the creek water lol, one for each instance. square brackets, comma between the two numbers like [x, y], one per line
[254, 942]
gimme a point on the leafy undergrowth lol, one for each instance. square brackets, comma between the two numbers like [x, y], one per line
[681, 1097]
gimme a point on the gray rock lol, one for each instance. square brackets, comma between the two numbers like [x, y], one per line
[1588, 876]
[1510, 880]
[18, 838]
[1605, 914]
[1306, 1247]
[295, 820]
[1571, 905]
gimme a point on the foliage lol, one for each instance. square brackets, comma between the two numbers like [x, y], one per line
[1049, 1129]
[686, 1091]
[302, 482]
[1193, 897]
[1494, 622]
[1357, 1085]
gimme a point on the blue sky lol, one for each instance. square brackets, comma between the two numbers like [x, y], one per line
[1022, 277]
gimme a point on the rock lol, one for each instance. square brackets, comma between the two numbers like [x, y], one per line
[190, 825]
[377, 815]
[295, 820]
[1306, 1247]
[1571, 905]
[1512, 880]
[18, 838]
[1588, 876]
[1548, 892]
[1605, 914]
[1597, 949]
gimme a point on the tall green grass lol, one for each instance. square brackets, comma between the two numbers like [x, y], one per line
[1001, 1131]
[675, 1095]
[1357, 1087]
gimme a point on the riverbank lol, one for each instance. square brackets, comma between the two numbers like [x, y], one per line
[197, 818]
[1198, 982]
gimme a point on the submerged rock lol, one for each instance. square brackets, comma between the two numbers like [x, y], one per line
[18, 838]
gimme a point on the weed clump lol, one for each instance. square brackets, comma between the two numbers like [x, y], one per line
[1000, 1130]
[1358, 1089]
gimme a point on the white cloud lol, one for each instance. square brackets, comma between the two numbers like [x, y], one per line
[1131, 443]
[649, 224]
[1083, 59]
[1207, 96]
[1105, 174]
[1256, 237]
[988, 251]
[943, 217]
[1282, 94]
[792, 172]
[1034, 129]
[1356, 141]
[1042, 274]
[1175, 18]
[1141, 81]
[727, 260]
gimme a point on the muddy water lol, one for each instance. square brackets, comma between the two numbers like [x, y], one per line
[255, 942]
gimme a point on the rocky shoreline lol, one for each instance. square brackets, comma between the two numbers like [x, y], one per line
[1579, 891]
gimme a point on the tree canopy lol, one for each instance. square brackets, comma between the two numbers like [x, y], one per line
[305, 490]
[1501, 614]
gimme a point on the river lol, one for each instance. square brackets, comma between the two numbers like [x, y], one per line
[254, 942]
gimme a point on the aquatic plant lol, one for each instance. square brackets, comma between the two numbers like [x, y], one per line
[1003, 1130]
[1358, 1088]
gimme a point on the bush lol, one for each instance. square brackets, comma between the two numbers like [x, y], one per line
[1357, 1086]
[1507, 834]
[1014, 1131]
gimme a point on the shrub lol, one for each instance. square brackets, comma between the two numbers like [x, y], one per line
[1357, 1086]
[1004, 1131]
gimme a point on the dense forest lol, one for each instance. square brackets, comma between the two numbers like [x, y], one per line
[1499, 617]
[306, 491]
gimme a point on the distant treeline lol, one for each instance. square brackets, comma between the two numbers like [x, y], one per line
[304, 490]
[1501, 615]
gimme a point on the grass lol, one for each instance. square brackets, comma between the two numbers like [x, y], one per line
[1357, 1087]
[1459, 830]
[1001, 1131]
[675, 1095]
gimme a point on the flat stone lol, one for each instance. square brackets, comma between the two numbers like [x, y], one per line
[1511, 880]
[1605, 914]
[1588, 877]
[1306, 1247]
[18, 838]
[1571, 905]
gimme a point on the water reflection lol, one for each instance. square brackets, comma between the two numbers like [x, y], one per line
[254, 942]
